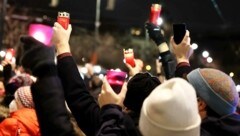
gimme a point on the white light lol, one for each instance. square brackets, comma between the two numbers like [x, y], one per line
[124, 61]
[159, 21]
[101, 76]
[209, 60]
[2, 53]
[148, 67]
[231, 74]
[205, 54]
[13, 60]
[118, 69]
[39, 36]
[238, 88]
[84, 70]
[194, 46]
[1, 68]
[8, 56]
[97, 69]
[54, 3]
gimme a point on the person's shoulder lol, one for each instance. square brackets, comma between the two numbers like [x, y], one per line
[9, 124]
[234, 116]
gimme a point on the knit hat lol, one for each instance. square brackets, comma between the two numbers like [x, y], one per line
[171, 110]
[216, 88]
[138, 88]
[17, 81]
[23, 96]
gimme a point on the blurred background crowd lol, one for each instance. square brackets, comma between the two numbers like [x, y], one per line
[56, 81]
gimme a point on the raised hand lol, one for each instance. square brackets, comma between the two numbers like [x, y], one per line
[61, 38]
[134, 70]
[155, 34]
[108, 96]
[182, 51]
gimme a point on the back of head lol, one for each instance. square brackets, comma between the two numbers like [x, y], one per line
[216, 88]
[23, 96]
[171, 110]
[139, 87]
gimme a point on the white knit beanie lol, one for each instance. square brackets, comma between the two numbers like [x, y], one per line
[171, 110]
[23, 96]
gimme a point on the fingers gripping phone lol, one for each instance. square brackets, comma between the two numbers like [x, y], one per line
[179, 31]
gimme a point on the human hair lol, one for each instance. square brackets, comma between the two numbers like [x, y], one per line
[4, 113]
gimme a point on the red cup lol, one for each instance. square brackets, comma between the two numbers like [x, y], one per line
[155, 13]
[116, 79]
[63, 19]
[129, 57]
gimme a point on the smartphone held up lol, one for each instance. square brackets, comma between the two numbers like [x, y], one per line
[116, 79]
[179, 31]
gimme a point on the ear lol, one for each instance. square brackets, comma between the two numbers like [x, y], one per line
[201, 105]
[202, 108]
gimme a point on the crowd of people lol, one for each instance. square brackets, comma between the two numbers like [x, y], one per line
[50, 98]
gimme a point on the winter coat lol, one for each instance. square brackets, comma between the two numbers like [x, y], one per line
[225, 126]
[49, 103]
[22, 122]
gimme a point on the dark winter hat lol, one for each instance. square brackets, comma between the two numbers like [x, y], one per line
[216, 88]
[138, 88]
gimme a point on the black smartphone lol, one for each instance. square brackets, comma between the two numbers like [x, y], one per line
[179, 31]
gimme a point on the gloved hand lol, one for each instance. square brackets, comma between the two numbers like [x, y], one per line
[36, 54]
[155, 34]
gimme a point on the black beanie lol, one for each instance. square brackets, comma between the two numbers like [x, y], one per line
[138, 88]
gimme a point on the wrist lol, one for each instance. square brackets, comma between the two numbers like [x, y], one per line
[163, 47]
[180, 60]
[63, 48]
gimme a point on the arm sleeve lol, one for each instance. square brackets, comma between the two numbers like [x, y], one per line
[49, 103]
[7, 73]
[82, 105]
[169, 64]
[183, 69]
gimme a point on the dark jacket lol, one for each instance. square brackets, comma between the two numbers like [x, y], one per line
[213, 126]
[49, 103]
[224, 126]
[182, 69]
[82, 105]
[168, 64]
[114, 122]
